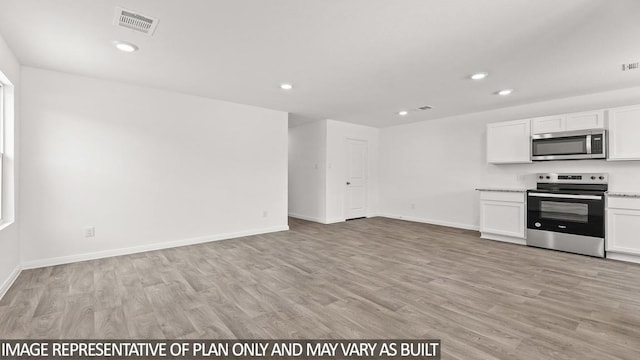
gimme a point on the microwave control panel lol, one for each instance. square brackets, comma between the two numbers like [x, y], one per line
[596, 144]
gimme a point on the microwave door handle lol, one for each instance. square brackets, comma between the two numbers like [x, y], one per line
[588, 144]
[567, 196]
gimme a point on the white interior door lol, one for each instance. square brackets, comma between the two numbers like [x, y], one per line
[356, 183]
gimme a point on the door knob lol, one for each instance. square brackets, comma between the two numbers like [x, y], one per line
[348, 183]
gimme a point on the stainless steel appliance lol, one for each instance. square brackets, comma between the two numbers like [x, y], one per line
[566, 212]
[567, 145]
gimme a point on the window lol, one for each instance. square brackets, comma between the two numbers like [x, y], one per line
[7, 154]
[1, 148]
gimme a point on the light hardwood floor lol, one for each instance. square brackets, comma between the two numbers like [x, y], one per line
[370, 278]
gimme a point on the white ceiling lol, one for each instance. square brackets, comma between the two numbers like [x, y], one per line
[359, 61]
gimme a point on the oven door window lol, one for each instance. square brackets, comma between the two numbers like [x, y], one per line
[564, 211]
[560, 146]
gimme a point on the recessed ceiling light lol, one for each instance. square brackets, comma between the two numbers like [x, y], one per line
[403, 113]
[286, 86]
[505, 92]
[479, 76]
[124, 46]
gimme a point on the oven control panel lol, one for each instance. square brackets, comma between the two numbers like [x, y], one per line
[585, 178]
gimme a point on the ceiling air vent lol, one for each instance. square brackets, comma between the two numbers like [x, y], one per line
[630, 66]
[135, 21]
[426, 107]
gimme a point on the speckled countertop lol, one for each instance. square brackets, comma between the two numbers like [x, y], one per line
[623, 194]
[518, 190]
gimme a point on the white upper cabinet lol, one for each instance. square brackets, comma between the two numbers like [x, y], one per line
[548, 124]
[509, 142]
[568, 122]
[624, 133]
[585, 120]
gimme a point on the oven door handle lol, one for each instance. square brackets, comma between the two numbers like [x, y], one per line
[567, 196]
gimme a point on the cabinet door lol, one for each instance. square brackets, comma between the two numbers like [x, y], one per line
[623, 227]
[509, 142]
[585, 120]
[548, 124]
[502, 218]
[624, 132]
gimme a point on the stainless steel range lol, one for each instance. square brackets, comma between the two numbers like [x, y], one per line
[566, 212]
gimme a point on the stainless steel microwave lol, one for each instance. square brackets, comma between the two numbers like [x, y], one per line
[569, 145]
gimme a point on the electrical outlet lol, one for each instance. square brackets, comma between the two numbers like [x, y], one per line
[89, 231]
[265, 214]
[413, 206]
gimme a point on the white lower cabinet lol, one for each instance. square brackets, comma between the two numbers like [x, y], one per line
[623, 228]
[503, 216]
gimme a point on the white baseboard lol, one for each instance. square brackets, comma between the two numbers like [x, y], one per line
[503, 238]
[432, 222]
[10, 280]
[32, 264]
[308, 218]
[335, 220]
[315, 219]
[623, 257]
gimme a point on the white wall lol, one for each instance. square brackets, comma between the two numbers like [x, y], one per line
[337, 134]
[9, 241]
[318, 169]
[148, 168]
[307, 171]
[436, 165]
